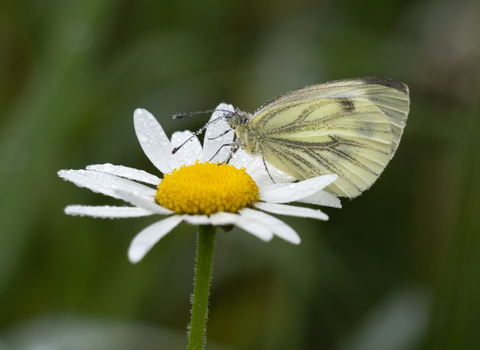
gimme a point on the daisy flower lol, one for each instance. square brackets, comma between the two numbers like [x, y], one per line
[198, 188]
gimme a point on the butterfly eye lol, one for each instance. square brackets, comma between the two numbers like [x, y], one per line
[233, 120]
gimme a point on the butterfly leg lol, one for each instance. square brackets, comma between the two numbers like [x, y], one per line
[231, 151]
[268, 172]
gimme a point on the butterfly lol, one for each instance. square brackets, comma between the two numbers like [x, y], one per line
[350, 127]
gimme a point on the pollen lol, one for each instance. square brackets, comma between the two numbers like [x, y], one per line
[207, 188]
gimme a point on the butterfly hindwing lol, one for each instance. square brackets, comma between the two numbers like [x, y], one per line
[351, 128]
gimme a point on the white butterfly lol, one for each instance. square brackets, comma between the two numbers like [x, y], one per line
[351, 128]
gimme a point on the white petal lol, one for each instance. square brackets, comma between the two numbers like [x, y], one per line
[106, 211]
[129, 173]
[146, 239]
[291, 210]
[278, 227]
[154, 141]
[105, 183]
[322, 198]
[210, 147]
[197, 219]
[281, 193]
[241, 159]
[248, 224]
[256, 169]
[189, 152]
[147, 203]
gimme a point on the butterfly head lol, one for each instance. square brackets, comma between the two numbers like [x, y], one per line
[237, 118]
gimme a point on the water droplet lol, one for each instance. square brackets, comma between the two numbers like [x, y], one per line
[108, 168]
[142, 137]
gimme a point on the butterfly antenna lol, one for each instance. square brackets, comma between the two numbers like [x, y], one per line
[222, 134]
[175, 150]
[182, 115]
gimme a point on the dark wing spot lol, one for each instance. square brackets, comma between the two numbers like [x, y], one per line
[386, 82]
[347, 105]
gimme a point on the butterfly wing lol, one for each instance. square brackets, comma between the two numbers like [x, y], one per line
[351, 128]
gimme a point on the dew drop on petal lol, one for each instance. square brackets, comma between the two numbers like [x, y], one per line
[142, 137]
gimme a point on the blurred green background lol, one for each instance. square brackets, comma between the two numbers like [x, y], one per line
[397, 268]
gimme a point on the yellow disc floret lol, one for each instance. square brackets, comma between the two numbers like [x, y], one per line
[207, 188]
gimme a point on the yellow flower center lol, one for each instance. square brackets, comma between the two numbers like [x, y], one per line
[205, 188]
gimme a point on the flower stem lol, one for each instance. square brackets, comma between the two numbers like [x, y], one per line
[203, 273]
